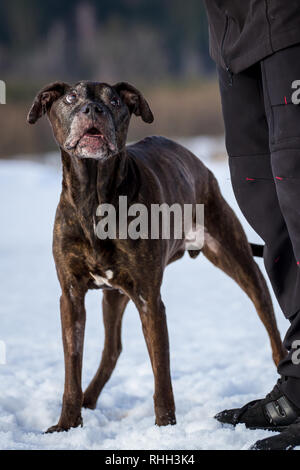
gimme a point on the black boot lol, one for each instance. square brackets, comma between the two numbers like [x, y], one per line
[273, 413]
[287, 440]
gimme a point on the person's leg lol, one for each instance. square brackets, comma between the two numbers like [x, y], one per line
[247, 143]
[253, 181]
[279, 71]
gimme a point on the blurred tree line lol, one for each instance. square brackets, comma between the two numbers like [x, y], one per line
[136, 40]
[161, 46]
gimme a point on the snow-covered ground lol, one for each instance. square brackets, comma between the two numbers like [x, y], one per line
[220, 354]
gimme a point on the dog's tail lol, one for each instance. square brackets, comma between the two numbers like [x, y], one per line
[257, 250]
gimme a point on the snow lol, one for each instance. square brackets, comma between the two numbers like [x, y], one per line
[220, 354]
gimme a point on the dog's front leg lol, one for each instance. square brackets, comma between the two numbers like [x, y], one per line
[73, 325]
[154, 323]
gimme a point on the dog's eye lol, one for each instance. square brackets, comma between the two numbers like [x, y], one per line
[115, 102]
[71, 98]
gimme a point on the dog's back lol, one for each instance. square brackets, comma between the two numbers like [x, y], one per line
[166, 163]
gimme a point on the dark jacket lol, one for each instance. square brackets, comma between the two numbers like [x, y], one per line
[243, 32]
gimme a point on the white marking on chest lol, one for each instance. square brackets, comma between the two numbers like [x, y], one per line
[109, 274]
[100, 281]
[144, 308]
[194, 239]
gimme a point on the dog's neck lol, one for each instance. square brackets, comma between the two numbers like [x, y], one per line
[87, 183]
[86, 178]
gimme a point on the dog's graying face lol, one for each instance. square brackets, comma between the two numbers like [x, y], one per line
[90, 119]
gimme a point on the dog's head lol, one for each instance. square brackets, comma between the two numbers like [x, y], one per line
[90, 119]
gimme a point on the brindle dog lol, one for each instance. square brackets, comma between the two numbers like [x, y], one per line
[90, 122]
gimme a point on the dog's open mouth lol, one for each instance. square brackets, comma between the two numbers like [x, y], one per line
[93, 139]
[93, 133]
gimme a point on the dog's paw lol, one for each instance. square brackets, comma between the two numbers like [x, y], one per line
[165, 419]
[64, 428]
[56, 428]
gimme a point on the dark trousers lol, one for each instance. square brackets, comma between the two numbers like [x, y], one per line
[263, 143]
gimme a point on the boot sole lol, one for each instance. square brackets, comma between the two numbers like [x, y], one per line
[254, 428]
[270, 428]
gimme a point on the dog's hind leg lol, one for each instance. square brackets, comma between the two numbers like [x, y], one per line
[114, 304]
[227, 247]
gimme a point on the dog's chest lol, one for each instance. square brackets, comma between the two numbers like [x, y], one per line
[100, 269]
[104, 280]
[106, 267]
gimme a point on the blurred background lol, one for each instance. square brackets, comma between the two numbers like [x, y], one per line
[161, 46]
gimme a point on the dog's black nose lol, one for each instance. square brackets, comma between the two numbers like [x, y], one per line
[90, 108]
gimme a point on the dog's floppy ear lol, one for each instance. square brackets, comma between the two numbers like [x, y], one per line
[135, 101]
[44, 100]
